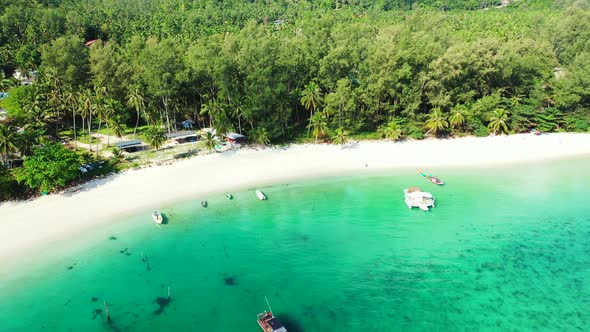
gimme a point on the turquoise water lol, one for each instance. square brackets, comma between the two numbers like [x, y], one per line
[505, 249]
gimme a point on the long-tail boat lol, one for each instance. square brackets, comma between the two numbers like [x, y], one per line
[432, 178]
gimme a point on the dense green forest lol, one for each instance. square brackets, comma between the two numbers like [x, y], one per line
[294, 70]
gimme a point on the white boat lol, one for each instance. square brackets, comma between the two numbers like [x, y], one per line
[157, 217]
[261, 196]
[415, 197]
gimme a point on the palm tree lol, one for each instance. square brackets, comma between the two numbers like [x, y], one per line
[117, 155]
[223, 125]
[110, 108]
[206, 109]
[210, 141]
[457, 117]
[99, 112]
[71, 100]
[318, 125]
[117, 126]
[136, 100]
[5, 83]
[498, 121]
[55, 100]
[311, 98]
[86, 109]
[26, 141]
[8, 141]
[260, 136]
[437, 122]
[156, 136]
[53, 79]
[390, 131]
[341, 136]
[100, 109]
[37, 114]
[237, 110]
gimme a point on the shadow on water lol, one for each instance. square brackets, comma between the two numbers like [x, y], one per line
[164, 218]
[290, 323]
[110, 325]
[163, 302]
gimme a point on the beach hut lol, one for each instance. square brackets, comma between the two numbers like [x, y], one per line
[235, 138]
[183, 136]
[188, 124]
[133, 145]
[25, 77]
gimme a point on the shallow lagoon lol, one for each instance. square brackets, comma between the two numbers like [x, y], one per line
[505, 249]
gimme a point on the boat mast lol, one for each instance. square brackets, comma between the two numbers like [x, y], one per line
[268, 304]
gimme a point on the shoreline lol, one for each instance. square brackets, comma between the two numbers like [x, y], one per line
[37, 223]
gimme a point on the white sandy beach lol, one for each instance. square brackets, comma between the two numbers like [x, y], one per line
[37, 223]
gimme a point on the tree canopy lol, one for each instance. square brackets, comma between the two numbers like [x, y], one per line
[275, 71]
[49, 167]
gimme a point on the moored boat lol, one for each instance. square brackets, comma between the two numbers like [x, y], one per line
[268, 322]
[261, 196]
[432, 178]
[157, 216]
[415, 197]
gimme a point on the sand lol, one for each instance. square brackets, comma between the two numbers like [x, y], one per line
[35, 224]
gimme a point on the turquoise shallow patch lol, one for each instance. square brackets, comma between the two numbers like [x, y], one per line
[505, 249]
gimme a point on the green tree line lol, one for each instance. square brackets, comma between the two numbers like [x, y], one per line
[285, 70]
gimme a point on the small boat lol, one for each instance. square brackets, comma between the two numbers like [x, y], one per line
[415, 197]
[157, 217]
[229, 196]
[261, 196]
[204, 203]
[268, 322]
[432, 178]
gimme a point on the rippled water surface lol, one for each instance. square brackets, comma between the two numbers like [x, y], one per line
[504, 249]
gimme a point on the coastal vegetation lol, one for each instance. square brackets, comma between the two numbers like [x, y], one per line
[288, 70]
[50, 166]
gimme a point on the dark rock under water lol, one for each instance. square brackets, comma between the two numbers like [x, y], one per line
[230, 281]
[96, 312]
[162, 302]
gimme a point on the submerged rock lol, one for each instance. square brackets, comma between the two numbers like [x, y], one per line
[96, 312]
[230, 281]
[162, 302]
